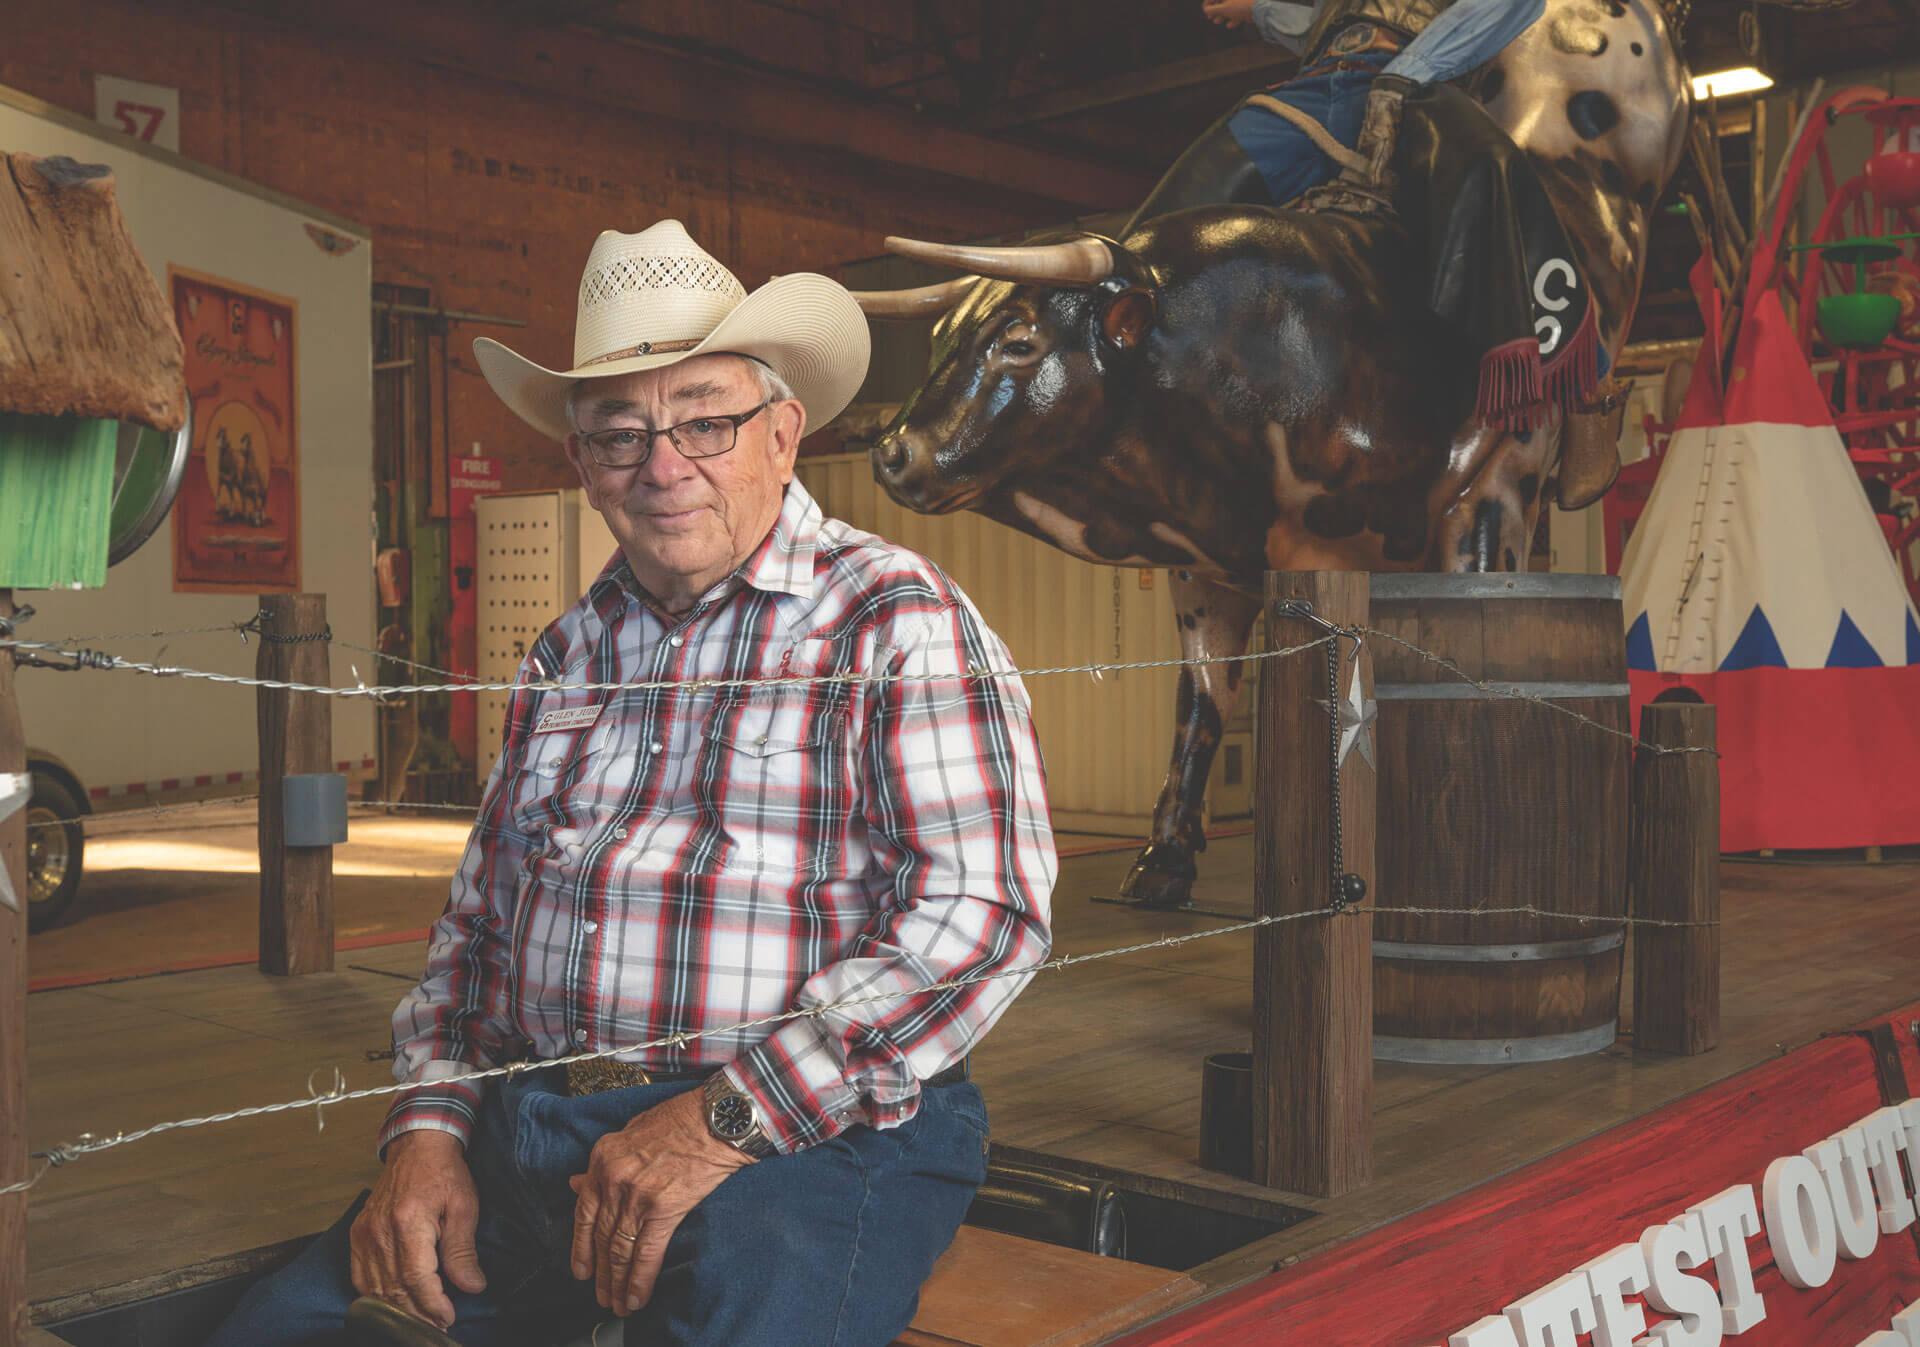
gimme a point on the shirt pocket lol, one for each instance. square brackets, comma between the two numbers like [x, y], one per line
[775, 782]
[552, 761]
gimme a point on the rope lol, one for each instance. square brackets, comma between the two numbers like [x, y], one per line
[1321, 137]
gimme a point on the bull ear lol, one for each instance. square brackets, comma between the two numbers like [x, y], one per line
[1128, 317]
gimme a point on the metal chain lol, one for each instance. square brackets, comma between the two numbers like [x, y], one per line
[257, 626]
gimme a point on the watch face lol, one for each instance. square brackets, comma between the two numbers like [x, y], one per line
[731, 1117]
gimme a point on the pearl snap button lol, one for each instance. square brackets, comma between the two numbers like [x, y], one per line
[579, 1035]
[620, 833]
[653, 747]
[589, 927]
[675, 641]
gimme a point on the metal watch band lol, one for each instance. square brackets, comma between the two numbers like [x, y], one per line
[726, 1104]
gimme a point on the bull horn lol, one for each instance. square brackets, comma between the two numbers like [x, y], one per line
[1075, 262]
[929, 301]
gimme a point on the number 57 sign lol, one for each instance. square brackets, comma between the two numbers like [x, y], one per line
[149, 112]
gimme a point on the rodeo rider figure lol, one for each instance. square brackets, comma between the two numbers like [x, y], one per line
[1359, 59]
[675, 859]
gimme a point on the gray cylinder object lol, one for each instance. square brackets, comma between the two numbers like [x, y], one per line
[314, 809]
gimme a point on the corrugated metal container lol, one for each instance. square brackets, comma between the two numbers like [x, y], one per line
[1106, 742]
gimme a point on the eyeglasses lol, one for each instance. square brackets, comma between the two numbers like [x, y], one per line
[702, 437]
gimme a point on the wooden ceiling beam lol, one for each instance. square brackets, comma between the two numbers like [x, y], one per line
[706, 90]
[1250, 59]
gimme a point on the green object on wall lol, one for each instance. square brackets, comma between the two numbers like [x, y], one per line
[56, 498]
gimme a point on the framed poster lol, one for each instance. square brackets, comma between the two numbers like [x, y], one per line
[236, 523]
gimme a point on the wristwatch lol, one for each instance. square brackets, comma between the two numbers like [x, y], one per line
[732, 1117]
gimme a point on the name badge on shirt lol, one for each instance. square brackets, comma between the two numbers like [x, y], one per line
[571, 719]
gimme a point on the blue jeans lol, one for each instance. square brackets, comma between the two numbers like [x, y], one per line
[1290, 163]
[826, 1248]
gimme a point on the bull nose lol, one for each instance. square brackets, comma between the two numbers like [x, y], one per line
[892, 455]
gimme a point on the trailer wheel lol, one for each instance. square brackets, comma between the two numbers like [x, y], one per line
[56, 840]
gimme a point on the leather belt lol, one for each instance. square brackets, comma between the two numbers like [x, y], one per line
[597, 1075]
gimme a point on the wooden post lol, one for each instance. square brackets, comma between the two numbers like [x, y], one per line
[1676, 877]
[296, 736]
[1312, 978]
[13, 1016]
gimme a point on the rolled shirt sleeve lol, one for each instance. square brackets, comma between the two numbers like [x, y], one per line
[1284, 23]
[1464, 37]
[955, 803]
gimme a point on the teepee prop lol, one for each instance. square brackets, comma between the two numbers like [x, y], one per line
[1758, 578]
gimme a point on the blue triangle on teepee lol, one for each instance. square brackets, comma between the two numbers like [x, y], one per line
[1913, 639]
[1756, 645]
[1640, 644]
[1850, 649]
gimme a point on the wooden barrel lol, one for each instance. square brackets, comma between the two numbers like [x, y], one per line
[1487, 803]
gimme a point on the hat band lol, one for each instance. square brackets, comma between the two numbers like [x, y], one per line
[644, 348]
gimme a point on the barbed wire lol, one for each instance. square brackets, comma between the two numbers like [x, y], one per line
[230, 627]
[114, 815]
[101, 660]
[54, 1157]
[401, 659]
[1517, 695]
[88, 1144]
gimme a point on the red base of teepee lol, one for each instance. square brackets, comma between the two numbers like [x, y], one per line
[1813, 758]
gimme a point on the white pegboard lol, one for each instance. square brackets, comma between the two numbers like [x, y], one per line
[538, 551]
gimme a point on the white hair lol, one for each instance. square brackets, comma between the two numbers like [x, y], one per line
[772, 387]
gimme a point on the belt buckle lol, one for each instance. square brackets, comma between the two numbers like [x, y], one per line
[1354, 38]
[596, 1075]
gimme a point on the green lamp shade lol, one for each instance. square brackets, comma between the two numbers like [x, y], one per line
[1858, 320]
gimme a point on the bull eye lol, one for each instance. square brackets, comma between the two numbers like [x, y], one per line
[1018, 349]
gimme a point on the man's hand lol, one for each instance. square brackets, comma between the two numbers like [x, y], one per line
[1229, 13]
[418, 1224]
[640, 1183]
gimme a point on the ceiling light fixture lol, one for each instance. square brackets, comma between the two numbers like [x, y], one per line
[1722, 83]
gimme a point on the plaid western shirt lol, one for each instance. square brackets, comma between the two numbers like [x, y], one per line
[652, 862]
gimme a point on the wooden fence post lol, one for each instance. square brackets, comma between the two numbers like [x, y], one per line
[296, 736]
[1676, 877]
[13, 1016]
[1313, 978]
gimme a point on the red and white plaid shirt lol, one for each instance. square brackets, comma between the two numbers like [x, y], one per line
[652, 862]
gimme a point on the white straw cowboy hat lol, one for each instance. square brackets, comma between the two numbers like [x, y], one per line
[656, 298]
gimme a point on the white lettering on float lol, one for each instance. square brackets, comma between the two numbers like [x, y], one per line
[1832, 1201]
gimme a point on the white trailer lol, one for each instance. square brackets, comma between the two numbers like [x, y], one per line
[103, 740]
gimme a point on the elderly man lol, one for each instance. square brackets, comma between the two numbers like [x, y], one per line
[750, 772]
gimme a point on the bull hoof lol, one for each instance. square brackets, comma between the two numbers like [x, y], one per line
[1162, 876]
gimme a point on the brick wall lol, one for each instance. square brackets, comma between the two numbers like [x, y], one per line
[487, 191]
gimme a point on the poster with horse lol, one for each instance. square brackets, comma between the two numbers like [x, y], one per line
[236, 523]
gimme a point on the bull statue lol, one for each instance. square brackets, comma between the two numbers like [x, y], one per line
[1226, 390]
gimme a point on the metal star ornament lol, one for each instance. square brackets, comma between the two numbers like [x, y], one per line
[1356, 715]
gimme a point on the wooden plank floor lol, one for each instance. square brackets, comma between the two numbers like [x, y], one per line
[1099, 1063]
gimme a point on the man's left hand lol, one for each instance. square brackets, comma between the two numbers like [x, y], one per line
[640, 1183]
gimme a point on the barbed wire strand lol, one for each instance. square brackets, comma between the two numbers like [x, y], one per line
[114, 815]
[100, 660]
[1517, 695]
[97, 659]
[87, 1144]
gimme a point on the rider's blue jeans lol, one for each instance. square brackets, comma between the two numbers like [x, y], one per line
[826, 1248]
[1291, 163]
